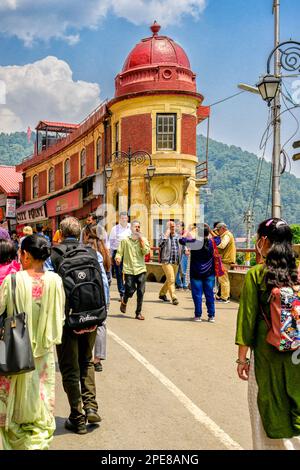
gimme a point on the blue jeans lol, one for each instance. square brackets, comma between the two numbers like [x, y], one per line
[181, 282]
[119, 275]
[206, 285]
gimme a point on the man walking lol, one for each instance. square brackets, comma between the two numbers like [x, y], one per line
[169, 257]
[75, 351]
[132, 251]
[90, 220]
[117, 234]
[227, 250]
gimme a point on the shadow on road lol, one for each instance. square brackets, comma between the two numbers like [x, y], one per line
[174, 318]
[60, 428]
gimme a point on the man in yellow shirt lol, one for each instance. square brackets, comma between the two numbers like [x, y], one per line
[133, 250]
[227, 250]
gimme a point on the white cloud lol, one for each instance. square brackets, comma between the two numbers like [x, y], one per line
[31, 20]
[44, 90]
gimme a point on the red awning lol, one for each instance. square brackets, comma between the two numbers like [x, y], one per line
[34, 205]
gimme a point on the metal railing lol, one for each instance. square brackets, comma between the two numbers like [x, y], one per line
[202, 170]
[89, 121]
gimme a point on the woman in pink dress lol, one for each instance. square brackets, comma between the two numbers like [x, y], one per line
[8, 263]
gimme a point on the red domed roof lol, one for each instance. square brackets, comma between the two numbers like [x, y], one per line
[156, 63]
[156, 50]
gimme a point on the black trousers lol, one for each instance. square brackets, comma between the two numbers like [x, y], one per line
[135, 283]
[75, 359]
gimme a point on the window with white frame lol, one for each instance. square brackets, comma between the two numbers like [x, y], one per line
[67, 172]
[51, 180]
[99, 153]
[35, 186]
[83, 163]
[166, 132]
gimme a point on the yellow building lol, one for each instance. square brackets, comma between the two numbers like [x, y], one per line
[156, 109]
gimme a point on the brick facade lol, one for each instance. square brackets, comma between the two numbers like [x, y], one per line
[59, 176]
[136, 132]
[90, 159]
[74, 162]
[43, 190]
[188, 134]
[28, 190]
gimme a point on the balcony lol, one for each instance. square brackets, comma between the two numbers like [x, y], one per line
[202, 174]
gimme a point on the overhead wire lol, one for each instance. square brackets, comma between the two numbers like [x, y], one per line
[259, 166]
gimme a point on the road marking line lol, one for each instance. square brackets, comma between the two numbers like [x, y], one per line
[198, 414]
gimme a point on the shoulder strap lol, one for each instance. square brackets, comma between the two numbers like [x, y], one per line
[13, 290]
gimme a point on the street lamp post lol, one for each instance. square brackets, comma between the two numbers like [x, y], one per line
[286, 56]
[129, 158]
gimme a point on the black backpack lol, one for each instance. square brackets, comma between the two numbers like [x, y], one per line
[80, 271]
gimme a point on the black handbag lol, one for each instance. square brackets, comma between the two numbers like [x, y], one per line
[15, 347]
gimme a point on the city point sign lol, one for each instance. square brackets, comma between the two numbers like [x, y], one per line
[33, 214]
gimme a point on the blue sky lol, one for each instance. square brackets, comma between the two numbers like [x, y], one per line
[227, 41]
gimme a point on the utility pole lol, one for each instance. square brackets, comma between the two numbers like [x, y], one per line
[276, 202]
[248, 221]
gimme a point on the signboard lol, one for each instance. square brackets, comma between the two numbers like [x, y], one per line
[11, 208]
[31, 213]
[69, 202]
[3, 200]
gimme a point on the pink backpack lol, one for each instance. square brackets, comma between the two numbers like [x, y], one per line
[284, 329]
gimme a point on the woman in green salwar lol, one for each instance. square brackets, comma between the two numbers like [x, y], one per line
[27, 401]
[273, 378]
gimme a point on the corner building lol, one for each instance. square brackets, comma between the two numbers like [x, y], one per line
[156, 109]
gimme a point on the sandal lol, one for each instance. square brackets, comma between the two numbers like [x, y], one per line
[140, 317]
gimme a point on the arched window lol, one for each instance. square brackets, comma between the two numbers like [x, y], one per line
[99, 153]
[35, 186]
[67, 172]
[51, 180]
[83, 163]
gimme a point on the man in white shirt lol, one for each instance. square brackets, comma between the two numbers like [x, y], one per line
[119, 232]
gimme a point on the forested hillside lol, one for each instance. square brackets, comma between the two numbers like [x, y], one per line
[14, 147]
[232, 174]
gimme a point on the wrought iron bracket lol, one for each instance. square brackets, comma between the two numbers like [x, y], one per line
[289, 57]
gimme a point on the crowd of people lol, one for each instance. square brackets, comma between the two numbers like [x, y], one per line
[68, 281]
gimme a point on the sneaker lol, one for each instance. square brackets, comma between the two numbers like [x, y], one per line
[78, 428]
[197, 319]
[164, 298]
[123, 307]
[98, 367]
[175, 301]
[211, 320]
[92, 416]
[223, 301]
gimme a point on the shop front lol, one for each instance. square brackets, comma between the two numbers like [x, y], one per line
[32, 214]
[60, 206]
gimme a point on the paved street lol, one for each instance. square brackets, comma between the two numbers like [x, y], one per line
[168, 382]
